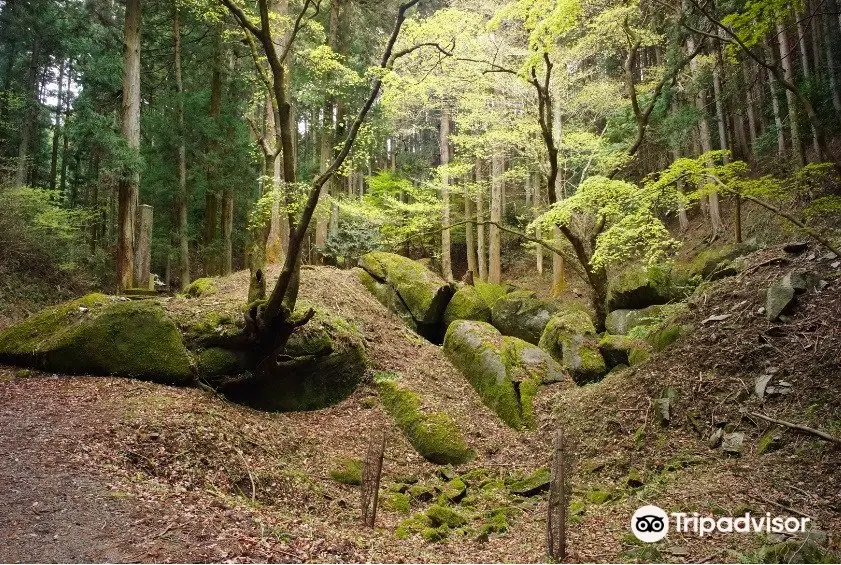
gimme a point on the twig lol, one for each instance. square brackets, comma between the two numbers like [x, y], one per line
[782, 506]
[250, 476]
[807, 429]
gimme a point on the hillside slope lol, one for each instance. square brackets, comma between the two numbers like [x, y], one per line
[204, 479]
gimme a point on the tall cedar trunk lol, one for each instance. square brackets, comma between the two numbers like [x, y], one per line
[469, 233]
[775, 103]
[750, 89]
[444, 148]
[322, 226]
[183, 243]
[706, 143]
[57, 127]
[831, 68]
[558, 278]
[497, 188]
[129, 184]
[212, 253]
[481, 253]
[227, 225]
[538, 233]
[274, 180]
[791, 100]
[29, 114]
[807, 73]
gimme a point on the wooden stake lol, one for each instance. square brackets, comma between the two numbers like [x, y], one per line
[371, 473]
[556, 523]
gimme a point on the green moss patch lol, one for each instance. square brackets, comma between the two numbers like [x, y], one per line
[443, 516]
[434, 435]
[570, 338]
[347, 471]
[533, 484]
[522, 314]
[201, 287]
[640, 287]
[101, 335]
[396, 502]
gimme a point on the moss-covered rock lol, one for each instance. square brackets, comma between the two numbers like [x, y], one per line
[100, 335]
[434, 435]
[466, 304]
[422, 493]
[505, 371]
[640, 287]
[495, 522]
[770, 441]
[713, 263]
[570, 338]
[201, 287]
[522, 314]
[218, 361]
[454, 491]
[423, 294]
[598, 496]
[347, 471]
[666, 335]
[323, 363]
[533, 484]
[616, 349]
[443, 516]
[415, 524]
[638, 355]
[490, 293]
[621, 322]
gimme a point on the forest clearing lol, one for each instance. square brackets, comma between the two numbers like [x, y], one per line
[430, 281]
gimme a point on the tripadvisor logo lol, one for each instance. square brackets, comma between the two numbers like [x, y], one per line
[651, 523]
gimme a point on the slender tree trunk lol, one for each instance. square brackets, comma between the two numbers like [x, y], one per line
[469, 234]
[807, 73]
[558, 277]
[273, 182]
[831, 68]
[213, 255]
[444, 148]
[57, 128]
[29, 114]
[497, 187]
[791, 100]
[749, 104]
[538, 233]
[481, 254]
[129, 185]
[181, 197]
[322, 226]
[227, 229]
[775, 103]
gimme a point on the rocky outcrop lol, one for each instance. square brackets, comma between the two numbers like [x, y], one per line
[322, 364]
[101, 335]
[409, 289]
[620, 322]
[570, 338]
[713, 264]
[522, 314]
[466, 304]
[504, 370]
[640, 287]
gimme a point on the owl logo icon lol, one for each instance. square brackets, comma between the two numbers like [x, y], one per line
[650, 523]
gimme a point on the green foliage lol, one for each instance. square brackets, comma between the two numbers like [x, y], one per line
[355, 237]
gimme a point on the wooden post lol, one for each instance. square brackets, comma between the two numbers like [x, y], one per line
[556, 523]
[371, 473]
[143, 256]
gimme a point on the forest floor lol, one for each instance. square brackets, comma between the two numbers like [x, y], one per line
[109, 469]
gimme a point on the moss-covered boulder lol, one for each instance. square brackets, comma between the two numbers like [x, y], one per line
[347, 471]
[620, 322]
[532, 484]
[715, 263]
[570, 338]
[466, 304]
[522, 314]
[640, 287]
[616, 349]
[443, 516]
[200, 287]
[434, 435]
[409, 289]
[101, 335]
[505, 371]
[323, 363]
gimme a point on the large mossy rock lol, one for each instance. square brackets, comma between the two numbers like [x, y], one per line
[570, 338]
[505, 371]
[715, 263]
[101, 335]
[409, 289]
[434, 435]
[640, 287]
[323, 363]
[467, 304]
[617, 350]
[620, 322]
[522, 314]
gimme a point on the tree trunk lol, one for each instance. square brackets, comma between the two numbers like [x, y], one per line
[129, 184]
[788, 74]
[469, 233]
[29, 114]
[831, 69]
[181, 196]
[775, 102]
[497, 186]
[807, 73]
[444, 148]
[558, 277]
[227, 229]
[538, 233]
[481, 254]
[212, 254]
[57, 128]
